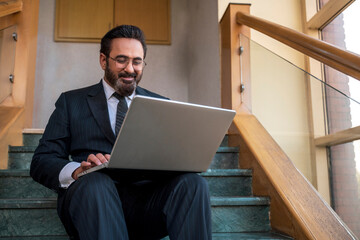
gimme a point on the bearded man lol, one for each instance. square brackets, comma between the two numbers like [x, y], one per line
[80, 134]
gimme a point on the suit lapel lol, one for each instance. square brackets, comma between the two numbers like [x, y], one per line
[98, 106]
[140, 91]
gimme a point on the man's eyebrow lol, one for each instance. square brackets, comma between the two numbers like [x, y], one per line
[124, 56]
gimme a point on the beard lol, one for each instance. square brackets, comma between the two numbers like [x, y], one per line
[124, 89]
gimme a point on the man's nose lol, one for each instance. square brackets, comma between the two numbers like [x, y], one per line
[129, 68]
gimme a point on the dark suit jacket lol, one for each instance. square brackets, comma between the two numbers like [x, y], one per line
[78, 126]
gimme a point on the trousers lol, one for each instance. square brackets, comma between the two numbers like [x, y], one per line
[98, 206]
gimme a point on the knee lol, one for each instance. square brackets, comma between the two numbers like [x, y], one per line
[93, 185]
[193, 183]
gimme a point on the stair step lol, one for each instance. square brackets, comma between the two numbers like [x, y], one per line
[31, 137]
[19, 184]
[225, 158]
[222, 182]
[229, 182]
[215, 236]
[240, 214]
[47, 237]
[20, 157]
[30, 217]
[248, 236]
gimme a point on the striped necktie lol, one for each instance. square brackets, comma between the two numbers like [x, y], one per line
[120, 112]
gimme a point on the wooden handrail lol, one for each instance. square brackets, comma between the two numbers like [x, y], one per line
[326, 53]
[10, 6]
[8, 116]
[327, 13]
[296, 207]
[341, 137]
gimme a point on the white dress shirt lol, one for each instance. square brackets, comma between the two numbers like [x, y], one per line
[65, 177]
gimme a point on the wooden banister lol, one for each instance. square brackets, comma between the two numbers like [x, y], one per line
[8, 7]
[11, 122]
[296, 207]
[341, 137]
[328, 54]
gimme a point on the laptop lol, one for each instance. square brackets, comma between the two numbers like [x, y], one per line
[166, 135]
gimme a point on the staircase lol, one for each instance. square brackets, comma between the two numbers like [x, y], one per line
[28, 210]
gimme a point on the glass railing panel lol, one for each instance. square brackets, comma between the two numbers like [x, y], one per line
[7, 61]
[279, 101]
[295, 106]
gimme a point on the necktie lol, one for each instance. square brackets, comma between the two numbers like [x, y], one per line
[120, 112]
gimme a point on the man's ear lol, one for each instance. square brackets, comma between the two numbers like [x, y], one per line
[102, 61]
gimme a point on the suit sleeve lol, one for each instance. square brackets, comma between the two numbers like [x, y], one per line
[52, 154]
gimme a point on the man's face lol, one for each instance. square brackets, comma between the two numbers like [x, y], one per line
[123, 67]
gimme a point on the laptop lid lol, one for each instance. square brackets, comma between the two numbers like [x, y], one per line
[160, 134]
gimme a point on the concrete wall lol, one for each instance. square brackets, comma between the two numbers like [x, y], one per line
[186, 70]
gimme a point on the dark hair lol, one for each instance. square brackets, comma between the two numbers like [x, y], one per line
[122, 31]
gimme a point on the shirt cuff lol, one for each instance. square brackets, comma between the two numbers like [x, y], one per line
[65, 177]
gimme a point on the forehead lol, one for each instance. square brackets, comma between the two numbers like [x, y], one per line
[126, 46]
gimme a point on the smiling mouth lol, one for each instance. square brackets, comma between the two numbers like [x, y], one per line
[127, 80]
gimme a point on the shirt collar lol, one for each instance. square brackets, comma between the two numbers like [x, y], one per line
[109, 91]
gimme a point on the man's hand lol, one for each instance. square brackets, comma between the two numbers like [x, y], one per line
[92, 161]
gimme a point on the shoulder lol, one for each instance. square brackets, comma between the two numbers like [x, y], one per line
[145, 92]
[78, 96]
[90, 90]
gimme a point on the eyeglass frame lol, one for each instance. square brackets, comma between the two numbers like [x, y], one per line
[128, 61]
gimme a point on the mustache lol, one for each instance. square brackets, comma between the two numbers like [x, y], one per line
[126, 75]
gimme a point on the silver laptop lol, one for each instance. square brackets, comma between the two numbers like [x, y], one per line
[168, 135]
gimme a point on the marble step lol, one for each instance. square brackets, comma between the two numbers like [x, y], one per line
[222, 182]
[215, 236]
[249, 236]
[37, 217]
[20, 157]
[31, 137]
[30, 217]
[225, 158]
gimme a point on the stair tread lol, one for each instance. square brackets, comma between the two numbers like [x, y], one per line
[216, 236]
[19, 203]
[228, 149]
[227, 172]
[32, 149]
[51, 202]
[15, 173]
[46, 237]
[237, 201]
[208, 173]
[22, 149]
[249, 235]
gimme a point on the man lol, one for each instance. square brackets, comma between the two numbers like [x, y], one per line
[112, 204]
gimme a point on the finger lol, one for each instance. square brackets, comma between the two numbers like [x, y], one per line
[107, 156]
[93, 159]
[85, 165]
[101, 157]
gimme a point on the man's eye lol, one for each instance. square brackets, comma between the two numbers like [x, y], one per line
[121, 60]
[138, 62]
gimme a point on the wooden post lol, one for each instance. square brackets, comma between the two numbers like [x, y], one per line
[235, 73]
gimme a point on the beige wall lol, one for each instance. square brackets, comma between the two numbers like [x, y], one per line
[278, 89]
[186, 70]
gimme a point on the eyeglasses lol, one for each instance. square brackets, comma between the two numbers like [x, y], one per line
[122, 62]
